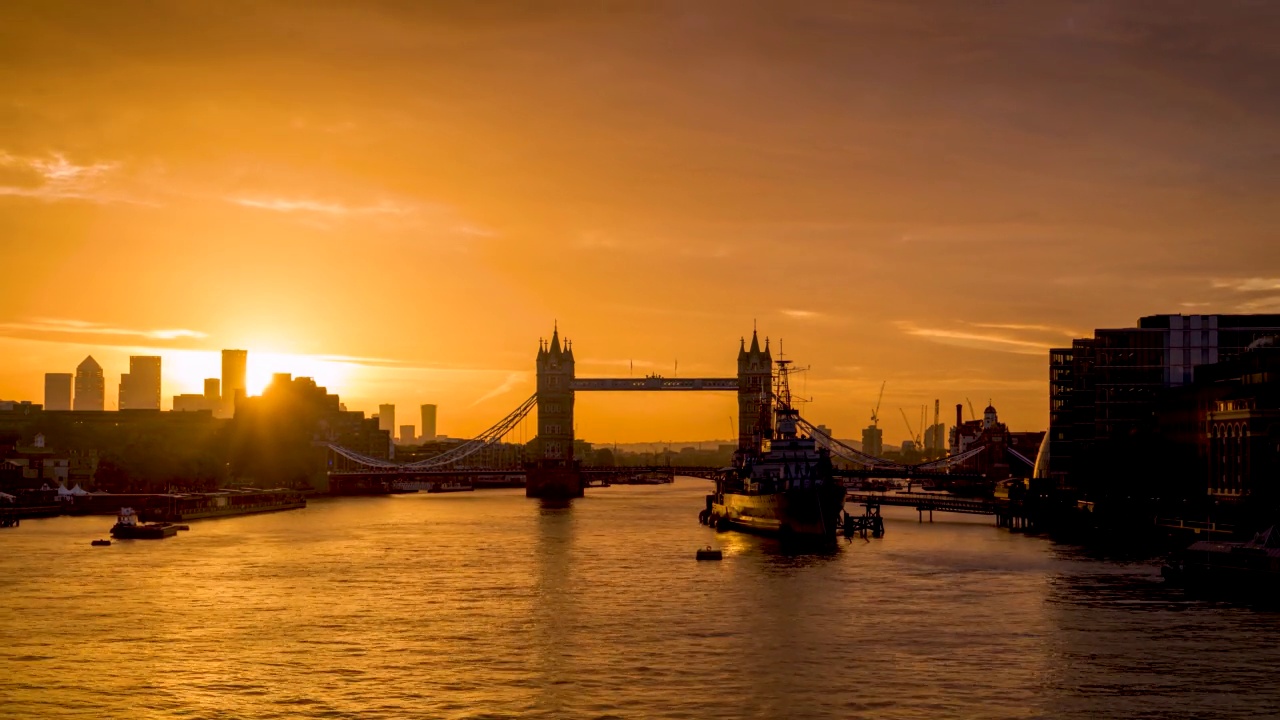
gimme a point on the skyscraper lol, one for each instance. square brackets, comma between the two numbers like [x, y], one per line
[57, 391]
[91, 387]
[387, 418]
[234, 372]
[140, 387]
[428, 423]
[406, 434]
[212, 389]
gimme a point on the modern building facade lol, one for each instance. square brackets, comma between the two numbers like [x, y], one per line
[387, 418]
[57, 391]
[235, 365]
[91, 386]
[428, 423]
[1105, 390]
[140, 387]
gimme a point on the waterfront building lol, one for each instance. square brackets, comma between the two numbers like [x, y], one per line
[57, 391]
[1007, 454]
[91, 386]
[235, 364]
[140, 387]
[1104, 391]
[428, 423]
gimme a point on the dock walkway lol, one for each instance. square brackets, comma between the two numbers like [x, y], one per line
[1007, 513]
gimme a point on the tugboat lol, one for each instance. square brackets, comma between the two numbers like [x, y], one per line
[787, 488]
[127, 527]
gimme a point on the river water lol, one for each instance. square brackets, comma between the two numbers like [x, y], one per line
[489, 605]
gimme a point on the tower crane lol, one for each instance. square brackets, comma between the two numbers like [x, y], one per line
[914, 437]
[972, 415]
[875, 414]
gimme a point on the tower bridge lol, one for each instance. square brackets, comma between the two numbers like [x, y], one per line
[553, 472]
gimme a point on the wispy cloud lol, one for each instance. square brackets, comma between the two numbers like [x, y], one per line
[307, 205]
[1270, 303]
[84, 327]
[1028, 328]
[513, 379]
[961, 337]
[54, 177]
[802, 314]
[1254, 284]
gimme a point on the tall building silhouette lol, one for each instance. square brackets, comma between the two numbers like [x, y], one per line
[91, 387]
[428, 423]
[140, 387]
[387, 418]
[57, 391]
[234, 372]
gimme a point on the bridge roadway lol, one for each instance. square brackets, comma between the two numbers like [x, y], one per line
[1007, 513]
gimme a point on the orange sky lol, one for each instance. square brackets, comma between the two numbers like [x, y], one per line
[401, 198]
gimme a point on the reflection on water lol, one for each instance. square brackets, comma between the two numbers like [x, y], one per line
[486, 604]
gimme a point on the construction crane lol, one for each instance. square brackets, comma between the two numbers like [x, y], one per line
[972, 415]
[914, 437]
[875, 414]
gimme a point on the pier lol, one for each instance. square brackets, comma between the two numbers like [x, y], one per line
[1007, 513]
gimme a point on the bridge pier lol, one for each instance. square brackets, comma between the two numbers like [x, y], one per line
[553, 481]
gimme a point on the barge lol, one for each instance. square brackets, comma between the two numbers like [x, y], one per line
[174, 508]
[127, 527]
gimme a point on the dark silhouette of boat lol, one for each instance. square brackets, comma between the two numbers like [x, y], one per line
[788, 489]
[128, 527]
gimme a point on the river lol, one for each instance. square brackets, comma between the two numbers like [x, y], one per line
[489, 605]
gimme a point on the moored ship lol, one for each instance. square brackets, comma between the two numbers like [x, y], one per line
[127, 527]
[787, 488]
[224, 503]
[452, 485]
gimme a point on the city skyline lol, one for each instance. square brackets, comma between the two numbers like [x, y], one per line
[931, 210]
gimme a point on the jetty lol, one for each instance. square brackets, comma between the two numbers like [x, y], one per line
[1008, 513]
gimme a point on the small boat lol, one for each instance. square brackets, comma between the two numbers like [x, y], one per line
[709, 553]
[127, 527]
[181, 527]
[451, 486]
[100, 543]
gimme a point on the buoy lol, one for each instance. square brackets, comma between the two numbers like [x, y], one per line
[708, 553]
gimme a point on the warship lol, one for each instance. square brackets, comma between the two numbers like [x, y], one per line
[784, 485]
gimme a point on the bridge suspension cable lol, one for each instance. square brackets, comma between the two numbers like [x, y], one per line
[842, 450]
[452, 456]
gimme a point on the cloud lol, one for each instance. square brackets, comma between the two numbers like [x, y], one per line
[84, 327]
[305, 205]
[997, 342]
[54, 177]
[513, 379]
[802, 314]
[1034, 328]
[1266, 304]
[1255, 284]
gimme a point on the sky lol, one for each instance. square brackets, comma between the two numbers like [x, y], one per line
[401, 198]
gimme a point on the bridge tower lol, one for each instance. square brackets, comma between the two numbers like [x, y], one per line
[755, 391]
[554, 474]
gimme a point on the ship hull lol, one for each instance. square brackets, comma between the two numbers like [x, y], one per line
[799, 514]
